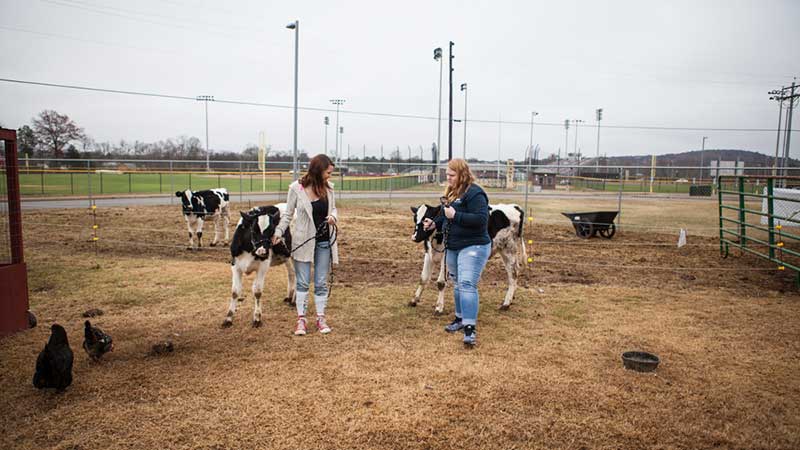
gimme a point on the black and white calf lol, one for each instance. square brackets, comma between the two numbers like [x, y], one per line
[200, 206]
[505, 229]
[252, 251]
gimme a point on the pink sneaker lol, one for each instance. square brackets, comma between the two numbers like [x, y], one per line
[322, 326]
[300, 328]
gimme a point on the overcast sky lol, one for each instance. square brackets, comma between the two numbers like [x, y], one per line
[699, 64]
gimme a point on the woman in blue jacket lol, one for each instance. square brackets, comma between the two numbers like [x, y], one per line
[468, 246]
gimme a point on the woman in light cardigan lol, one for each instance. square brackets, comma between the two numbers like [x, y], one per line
[312, 198]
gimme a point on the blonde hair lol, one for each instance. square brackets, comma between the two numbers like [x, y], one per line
[464, 178]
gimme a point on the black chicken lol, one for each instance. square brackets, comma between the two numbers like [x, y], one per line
[96, 342]
[54, 364]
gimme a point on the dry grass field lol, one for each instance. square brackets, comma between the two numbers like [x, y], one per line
[545, 374]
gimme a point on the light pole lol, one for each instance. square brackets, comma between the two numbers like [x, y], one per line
[464, 89]
[576, 122]
[576, 154]
[341, 135]
[702, 150]
[450, 120]
[205, 99]
[566, 143]
[327, 122]
[338, 102]
[530, 147]
[530, 155]
[599, 118]
[437, 56]
[296, 27]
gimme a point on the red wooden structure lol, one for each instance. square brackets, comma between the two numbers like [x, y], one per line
[13, 272]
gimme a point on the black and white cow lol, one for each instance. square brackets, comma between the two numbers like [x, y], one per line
[252, 251]
[505, 229]
[200, 206]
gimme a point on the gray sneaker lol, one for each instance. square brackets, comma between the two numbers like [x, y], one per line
[470, 336]
[454, 326]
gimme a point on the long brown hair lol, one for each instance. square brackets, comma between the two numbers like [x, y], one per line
[313, 178]
[464, 178]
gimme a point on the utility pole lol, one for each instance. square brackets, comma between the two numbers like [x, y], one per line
[788, 139]
[702, 151]
[499, 142]
[450, 120]
[779, 98]
[785, 94]
[205, 99]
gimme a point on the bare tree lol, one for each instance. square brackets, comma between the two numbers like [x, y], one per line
[55, 131]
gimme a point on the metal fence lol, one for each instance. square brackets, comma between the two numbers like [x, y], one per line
[58, 177]
[757, 217]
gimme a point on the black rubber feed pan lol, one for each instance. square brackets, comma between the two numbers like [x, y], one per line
[640, 361]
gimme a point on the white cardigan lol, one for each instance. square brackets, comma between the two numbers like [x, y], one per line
[304, 229]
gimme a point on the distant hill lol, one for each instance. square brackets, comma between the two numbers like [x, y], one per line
[692, 158]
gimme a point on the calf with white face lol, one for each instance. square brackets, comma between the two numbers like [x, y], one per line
[433, 242]
[200, 206]
[505, 230]
[252, 251]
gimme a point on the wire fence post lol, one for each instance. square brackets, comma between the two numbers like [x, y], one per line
[171, 184]
[42, 180]
[527, 180]
[619, 201]
[241, 186]
[89, 178]
[391, 182]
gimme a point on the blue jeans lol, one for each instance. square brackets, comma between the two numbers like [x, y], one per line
[464, 268]
[322, 266]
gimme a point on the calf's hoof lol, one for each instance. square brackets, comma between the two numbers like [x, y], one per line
[412, 303]
[213, 244]
[256, 324]
[438, 312]
[287, 300]
[505, 307]
[226, 323]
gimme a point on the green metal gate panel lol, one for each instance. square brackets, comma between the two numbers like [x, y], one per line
[775, 233]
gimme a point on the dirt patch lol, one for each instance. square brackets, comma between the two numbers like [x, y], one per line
[546, 374]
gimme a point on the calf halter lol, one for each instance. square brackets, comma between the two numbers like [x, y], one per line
[261, 241]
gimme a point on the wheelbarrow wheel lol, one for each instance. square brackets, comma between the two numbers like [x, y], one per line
[584, 230]
[608, 233]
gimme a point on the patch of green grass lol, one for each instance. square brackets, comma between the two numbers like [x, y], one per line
[571, 313]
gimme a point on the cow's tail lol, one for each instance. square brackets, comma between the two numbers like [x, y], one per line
[522, 250]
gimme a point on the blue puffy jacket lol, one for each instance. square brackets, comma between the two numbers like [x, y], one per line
[470, 224]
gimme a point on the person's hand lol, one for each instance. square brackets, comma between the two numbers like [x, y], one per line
[428, 224]
[331, 220]
[275, 240]
[449, 212]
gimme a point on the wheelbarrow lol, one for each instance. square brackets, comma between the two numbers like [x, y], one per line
[589, 224]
